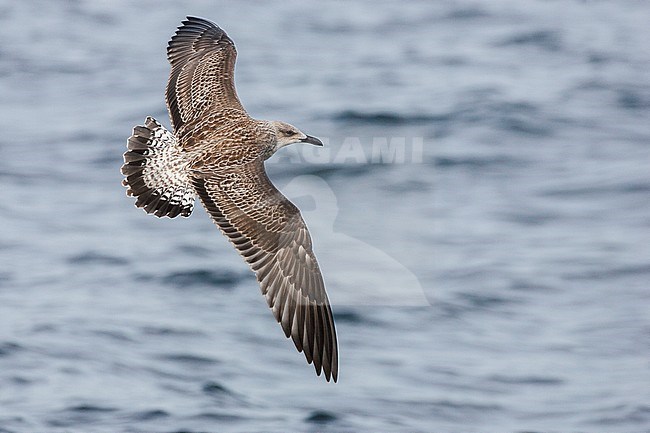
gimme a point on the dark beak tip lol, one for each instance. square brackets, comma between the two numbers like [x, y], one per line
[312, 140]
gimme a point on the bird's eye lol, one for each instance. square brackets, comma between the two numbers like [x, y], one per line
[289, 132]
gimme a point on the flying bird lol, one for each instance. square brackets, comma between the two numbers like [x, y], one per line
[217, 152]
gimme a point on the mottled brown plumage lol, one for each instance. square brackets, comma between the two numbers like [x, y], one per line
[217, 152]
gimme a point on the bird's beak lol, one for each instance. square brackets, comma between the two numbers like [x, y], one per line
[312, 140]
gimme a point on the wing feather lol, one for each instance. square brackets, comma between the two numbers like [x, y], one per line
[269, 232]
[201, 81]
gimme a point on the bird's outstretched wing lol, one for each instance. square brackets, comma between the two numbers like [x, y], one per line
[270, 234]
[201, 80]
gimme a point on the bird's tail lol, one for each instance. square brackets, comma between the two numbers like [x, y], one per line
[156, 173]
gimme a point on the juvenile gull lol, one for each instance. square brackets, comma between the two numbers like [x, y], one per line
[217, 153]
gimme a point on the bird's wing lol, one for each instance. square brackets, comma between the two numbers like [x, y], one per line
[201, 80]
[270, 234]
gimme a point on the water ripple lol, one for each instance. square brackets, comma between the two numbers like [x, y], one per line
[321, 417]
[189, 359]
[149, 415]
[9, 348]
[548, 40]
[387, 118]
[204, 278]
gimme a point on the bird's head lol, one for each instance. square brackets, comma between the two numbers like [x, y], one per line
[286, 134]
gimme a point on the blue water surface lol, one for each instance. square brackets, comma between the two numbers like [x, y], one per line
[510, 241]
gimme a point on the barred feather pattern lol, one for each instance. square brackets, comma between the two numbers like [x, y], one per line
[156, 172]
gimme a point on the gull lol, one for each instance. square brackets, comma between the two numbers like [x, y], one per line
[217, 152]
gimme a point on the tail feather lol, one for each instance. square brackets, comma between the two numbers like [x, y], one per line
[155, 172]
